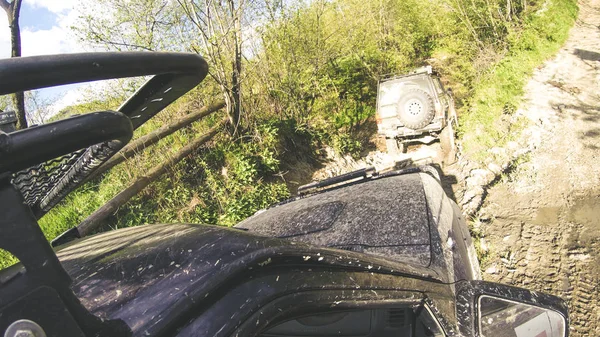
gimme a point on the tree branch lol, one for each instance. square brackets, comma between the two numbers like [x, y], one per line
[5, 5]
[140, 144]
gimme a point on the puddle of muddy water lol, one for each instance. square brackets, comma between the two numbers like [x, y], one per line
[547, 215]
[587, 213]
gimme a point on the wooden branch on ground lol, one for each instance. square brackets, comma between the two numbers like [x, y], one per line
[92, 222]
[138, 145]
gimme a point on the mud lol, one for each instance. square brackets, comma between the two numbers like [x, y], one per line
[541, 223]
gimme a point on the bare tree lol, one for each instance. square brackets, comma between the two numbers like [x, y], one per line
[38, 107]
[13, 10]
[219, 26]
[219, 30]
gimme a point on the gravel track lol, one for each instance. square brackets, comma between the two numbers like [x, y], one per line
[541, 223]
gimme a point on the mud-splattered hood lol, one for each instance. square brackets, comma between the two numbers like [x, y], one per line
[151, 276]
[387, 217]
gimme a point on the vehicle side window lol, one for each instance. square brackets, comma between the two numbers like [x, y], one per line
[384, 322]
[426, 323]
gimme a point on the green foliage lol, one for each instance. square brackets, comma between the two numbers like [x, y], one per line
[221, 185]
[324, 60]
[482, 251]
[345, 143]
[500, 89]
[356, 91]
[5, 102]
[7, 259]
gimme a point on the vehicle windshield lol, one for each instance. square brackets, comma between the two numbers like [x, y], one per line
[406, 321]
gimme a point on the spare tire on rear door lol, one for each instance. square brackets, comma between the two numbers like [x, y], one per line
[415, 108]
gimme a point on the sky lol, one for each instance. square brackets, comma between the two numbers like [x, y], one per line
[45, 29]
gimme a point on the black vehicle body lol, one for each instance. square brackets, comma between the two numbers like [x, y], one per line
[386, 255]
[163, 271]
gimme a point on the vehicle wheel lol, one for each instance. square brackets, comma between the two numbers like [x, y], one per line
[448, 144]
[394, 147]
[416, 108]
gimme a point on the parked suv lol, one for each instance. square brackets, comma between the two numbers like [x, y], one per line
[415, 108]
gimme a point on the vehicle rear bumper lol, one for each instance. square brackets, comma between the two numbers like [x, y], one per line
[397, 130]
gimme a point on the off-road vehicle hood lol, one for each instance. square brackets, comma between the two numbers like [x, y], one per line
[387, 217]
[402, 216]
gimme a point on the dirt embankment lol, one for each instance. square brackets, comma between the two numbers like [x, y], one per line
[541, 222]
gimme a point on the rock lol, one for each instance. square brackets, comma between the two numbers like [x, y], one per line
[491, 270]
[494, 168]
[484, 217]
[480, 177]
[467, 166]
[472, 182]
[497, 151]
[472, 194]
[520, 152]
[512, 145]
[483, 245]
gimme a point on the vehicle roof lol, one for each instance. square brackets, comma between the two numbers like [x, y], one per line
[426, 71]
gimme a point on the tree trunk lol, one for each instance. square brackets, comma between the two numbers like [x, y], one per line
[138, 145]
[13, 11]
[92, 222]
[237, 66]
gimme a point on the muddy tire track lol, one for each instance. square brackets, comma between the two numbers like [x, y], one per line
[541, 223]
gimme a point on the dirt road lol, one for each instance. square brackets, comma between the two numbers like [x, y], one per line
[542, 222]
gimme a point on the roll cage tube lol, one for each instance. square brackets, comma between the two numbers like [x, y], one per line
[45, 185]
[39, 166]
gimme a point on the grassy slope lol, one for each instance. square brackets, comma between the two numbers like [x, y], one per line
[500, 91]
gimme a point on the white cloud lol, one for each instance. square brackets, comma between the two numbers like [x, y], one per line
[71, 97]
[55, 40]
[4, 37]
[49, 41]
[55, 6]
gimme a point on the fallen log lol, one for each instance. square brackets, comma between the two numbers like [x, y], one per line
[138, 145]
[93, 221]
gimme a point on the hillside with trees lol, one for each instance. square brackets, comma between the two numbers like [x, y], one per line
[295, 77]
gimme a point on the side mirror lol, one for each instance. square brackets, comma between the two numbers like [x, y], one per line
[486, 309]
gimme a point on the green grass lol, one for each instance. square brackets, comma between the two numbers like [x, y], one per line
[483, 253]
[501, 89]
